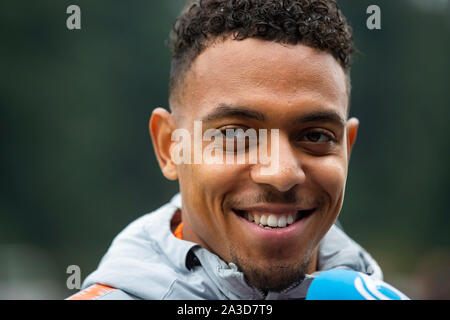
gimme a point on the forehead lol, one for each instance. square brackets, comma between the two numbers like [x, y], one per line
[264, 75]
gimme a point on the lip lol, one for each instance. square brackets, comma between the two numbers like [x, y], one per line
[281, 235]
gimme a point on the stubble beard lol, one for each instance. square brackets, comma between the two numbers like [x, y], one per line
[272, 276]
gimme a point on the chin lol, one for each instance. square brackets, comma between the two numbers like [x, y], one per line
[275, 277]
[272, 274]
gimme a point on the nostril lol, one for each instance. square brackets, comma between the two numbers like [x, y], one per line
[281, 178]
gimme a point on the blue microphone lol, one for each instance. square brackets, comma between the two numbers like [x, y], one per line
[351, 285]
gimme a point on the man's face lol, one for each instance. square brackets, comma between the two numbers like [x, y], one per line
[265, 85]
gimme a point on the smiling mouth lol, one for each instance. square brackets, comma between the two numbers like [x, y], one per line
[268, 220]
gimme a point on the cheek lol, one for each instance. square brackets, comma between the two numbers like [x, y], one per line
[210, 180]
[204, 188]
[329, 174]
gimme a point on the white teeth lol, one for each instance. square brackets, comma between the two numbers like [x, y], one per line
[263, 220]
[271, 220]
[282, 221]
[290, 219]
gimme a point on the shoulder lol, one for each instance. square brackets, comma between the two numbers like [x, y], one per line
[338, 250]
[101, 292]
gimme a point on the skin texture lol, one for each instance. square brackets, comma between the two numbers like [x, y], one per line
[282, 83]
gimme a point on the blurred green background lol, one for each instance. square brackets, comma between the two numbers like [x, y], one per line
[77, 163]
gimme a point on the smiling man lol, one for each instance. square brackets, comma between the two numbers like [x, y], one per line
[237, 231]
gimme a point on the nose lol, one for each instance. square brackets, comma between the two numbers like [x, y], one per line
[283, 175]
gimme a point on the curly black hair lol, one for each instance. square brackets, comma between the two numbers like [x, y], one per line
[315, 23]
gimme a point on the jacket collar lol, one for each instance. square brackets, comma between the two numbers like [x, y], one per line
[147, 261]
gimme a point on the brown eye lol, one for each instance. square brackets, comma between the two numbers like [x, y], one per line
[233, 134]
[238, 139]
[317, 137]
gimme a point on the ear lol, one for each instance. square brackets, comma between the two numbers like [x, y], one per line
[352, 131]
[161, 126]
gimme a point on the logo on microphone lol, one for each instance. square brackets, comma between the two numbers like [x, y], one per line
[372, 289]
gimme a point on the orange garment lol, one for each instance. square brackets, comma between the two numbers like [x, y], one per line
[91, 293]
[179, 231]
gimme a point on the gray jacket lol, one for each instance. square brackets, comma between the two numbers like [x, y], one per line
[146, 261]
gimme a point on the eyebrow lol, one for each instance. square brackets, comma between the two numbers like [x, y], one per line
[321, 116]
[226, 111]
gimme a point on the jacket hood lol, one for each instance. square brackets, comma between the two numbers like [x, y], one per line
[146, 261]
